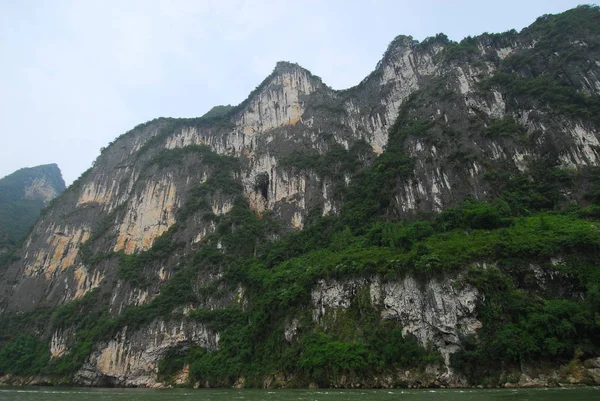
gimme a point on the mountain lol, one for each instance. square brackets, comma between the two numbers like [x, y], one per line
[23, 194]
[435, 225]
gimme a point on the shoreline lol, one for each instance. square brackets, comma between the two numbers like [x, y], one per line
[40, 381]
[4, 386]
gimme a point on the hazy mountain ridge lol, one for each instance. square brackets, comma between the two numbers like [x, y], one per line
[434, 225]
[22, 196]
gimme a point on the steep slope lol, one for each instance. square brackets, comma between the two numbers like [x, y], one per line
[434, 225]
[23, 194]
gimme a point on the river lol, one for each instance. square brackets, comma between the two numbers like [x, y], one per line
[92, 394]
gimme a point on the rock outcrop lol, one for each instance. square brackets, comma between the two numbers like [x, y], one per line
[23, 194]
[160, 198]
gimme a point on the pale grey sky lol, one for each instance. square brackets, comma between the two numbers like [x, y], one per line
[75, 74]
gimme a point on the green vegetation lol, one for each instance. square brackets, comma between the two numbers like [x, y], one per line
[17, 212]
[550, 74]
[560, 98]
[131, 267]
[89, 319]
[467, 49]
[206, 156]
[220, 181]
[218, 111]
[24, 354]
[335, 165]
[279, 277]
[168, 126]
[527, 229]
[358, 343]
[558, 43]
[519, 328]
[218, 118]
[541, 189]
[505, 127]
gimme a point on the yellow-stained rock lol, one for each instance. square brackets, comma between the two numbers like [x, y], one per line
[60, 253]
[85, 282]
[148, 216]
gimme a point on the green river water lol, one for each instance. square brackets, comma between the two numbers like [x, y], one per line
[76, 394]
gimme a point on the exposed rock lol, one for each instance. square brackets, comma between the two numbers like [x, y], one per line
[159, 180]
[593, 363]
[131, 359]
[435, 312]
[594, 375]
[150, 214]
[23, 194]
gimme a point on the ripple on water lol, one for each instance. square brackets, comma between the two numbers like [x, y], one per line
[84, 394]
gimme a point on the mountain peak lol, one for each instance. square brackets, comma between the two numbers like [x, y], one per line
[440, 174]
[22, 196]
[285, 66]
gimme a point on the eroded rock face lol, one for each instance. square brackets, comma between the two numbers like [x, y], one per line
[40, 188]
[60, 252]
[149, 215]
[59, 343]
[129, 199]
[23, 194]
[436, 312]
[131, 358]
[291, 112]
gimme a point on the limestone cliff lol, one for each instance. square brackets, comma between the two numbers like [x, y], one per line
[22, 196]
[188, 237]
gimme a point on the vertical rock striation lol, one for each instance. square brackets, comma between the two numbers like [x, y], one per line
[460, 113]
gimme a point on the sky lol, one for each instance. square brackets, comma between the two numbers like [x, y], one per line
[75, 74]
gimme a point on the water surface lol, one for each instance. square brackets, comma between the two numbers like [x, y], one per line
[81, 394]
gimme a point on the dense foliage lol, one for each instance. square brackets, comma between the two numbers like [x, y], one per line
[526, 229]
[356, 342]
[18, 213]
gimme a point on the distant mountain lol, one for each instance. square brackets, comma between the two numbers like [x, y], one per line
[23, 194]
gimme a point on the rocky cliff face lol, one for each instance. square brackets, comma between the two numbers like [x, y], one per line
[22, 196]
[130, 359]
[41, 183]
[435, 312]
[162, 197]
